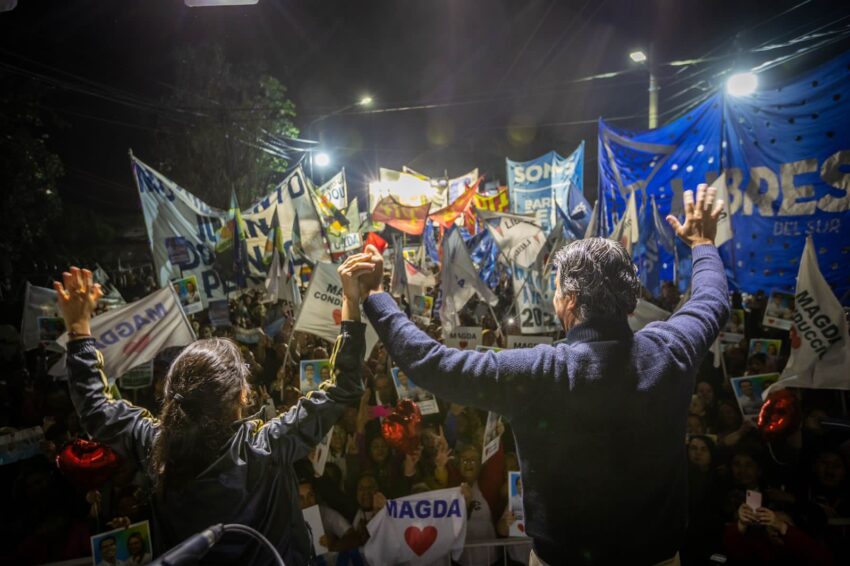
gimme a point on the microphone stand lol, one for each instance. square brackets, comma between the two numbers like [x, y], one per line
[191, 550]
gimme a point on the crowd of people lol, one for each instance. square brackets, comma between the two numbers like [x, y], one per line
[802, 515]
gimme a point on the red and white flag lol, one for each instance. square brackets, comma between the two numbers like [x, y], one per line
[820, 347]
[133, 334]
[321, 309]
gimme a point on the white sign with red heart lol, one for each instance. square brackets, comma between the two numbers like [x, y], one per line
[432, 526]
[464, 338]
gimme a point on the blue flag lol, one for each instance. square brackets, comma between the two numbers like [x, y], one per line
[577, 213]
[430, 237]
[647, 253]
[599, 226]
[485, 254]
[684, 265]
[663, 230]
[536, 186]
[783, 152]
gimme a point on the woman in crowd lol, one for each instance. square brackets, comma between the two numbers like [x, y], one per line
[207, 463]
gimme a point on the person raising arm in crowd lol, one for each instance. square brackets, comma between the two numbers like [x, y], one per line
[207, 462]
[581, 409]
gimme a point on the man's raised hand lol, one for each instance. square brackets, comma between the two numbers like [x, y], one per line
[350, 271]
[77, 297]
[373, 281]
[701, 218]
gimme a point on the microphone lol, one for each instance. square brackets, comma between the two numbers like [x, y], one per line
[191, 550]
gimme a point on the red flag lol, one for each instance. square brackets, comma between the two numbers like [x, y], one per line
[408, 219]
[377, 241]
[445, 217]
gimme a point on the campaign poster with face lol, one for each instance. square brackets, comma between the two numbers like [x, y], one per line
[517, 528]
[406, 389]
[124, 546]
[763, 355]
[733, 332]
[491, 436]
[748, 390]
[313, 373]
[187, 292]
[779, 312]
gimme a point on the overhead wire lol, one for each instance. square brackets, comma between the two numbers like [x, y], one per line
[281, 145]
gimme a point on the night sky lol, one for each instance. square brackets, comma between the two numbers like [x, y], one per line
[487, 66]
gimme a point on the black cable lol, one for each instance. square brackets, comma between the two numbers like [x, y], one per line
[250, 531]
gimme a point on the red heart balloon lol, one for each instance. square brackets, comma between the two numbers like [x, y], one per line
[401, 427]
[87, 464]
[780, 416]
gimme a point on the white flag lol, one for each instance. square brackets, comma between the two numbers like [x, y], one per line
[418, 529]
[418, 281]
[646, 312]
[820, 347]
[533, 294]
[724, 224]
[135, 333]
[519, 239]
[418, 278]
[459, 281]
[39, 303]
[281, 285]
[626, 231]
[111, 295]
[321, 310]
[398, 283]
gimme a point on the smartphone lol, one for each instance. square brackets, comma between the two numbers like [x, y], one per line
[753, 499]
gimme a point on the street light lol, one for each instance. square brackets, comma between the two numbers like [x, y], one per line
[323, 159]
[207, 3]
[742, 84]
[641, 58]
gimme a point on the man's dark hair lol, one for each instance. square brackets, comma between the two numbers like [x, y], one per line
[601, 275]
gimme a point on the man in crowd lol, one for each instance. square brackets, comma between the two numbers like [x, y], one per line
[136, 548]
[750, 402]
[108, 551]
[599, 419]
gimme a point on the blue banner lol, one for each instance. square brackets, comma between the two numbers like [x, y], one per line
[536, 186]
[785, 157]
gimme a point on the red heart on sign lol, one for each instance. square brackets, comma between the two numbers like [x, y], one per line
[521, 527]
[420, 540]
[463, 344]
